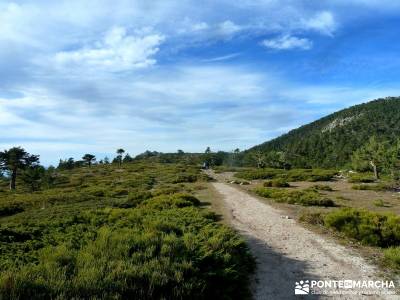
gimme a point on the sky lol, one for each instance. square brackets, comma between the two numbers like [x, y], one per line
[91, 76]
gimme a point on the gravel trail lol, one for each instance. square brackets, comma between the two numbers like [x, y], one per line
[286, 252]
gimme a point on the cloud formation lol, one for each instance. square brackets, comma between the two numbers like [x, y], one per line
[117, 51]
[322, 22]
[94, 75]
[287, 42]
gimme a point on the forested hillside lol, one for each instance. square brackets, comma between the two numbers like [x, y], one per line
[331, 141]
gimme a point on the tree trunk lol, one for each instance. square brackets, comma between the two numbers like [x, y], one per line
[13, 179]
[376, 175]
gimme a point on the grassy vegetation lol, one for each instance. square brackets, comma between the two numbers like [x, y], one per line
[373, 187]
[361, 178]
[322, 187]
[307, 197]
[279, 182]
[392, 257]
[312, 175]
[369, 228]
[136, 232]
[381, 203]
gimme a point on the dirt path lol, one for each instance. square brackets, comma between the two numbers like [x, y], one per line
[286, 252]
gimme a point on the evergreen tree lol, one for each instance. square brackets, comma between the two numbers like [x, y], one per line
[34, 176]
[127, 158]
[89, 159]
[16, 159]
[373, 154]
[120, 152]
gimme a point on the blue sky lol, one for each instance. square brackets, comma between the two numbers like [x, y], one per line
[93, 76]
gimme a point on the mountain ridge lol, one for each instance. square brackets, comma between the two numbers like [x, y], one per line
[331, 140]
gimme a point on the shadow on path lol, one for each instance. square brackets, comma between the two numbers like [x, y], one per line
[276, 274]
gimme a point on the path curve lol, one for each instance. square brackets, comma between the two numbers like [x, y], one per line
[287, 252]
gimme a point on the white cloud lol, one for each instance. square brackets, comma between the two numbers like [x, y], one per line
[228, 28]
[200, 26]
[46, 47]
[287, 42]
[166, 109]
[117, 51]
[323, 22]
[222, 58]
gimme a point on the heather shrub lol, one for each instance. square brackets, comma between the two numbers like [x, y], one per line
[370, 228]
[306, 197]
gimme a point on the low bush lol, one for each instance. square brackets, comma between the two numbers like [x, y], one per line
[372, 187]
[129, 232]
[361, 178]
[369, 228]
[167, 189]
[175, 201]
[379, 203]
[98, 192]
[180, 178]
[9, 209]
[312, 218]
[311, 175]
[392, 257]
[258, 174]
[322, 187]
[279, 182]
[138, 254]
[306, 197]
[120, 192]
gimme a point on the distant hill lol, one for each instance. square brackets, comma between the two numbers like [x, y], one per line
[330, 141]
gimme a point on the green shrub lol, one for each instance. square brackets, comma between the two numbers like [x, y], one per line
[363, 178]
[176, 254]
[311, 175]
[312, 218]
[120, 192]
[9, 209]
[97, 192]
[288, 175]
[379, 203]
[171, 201]
[370, 228]
[119, 233]
[167, 190]
[258, 174]
[392, 257]
[276, 183]
[306, 197]
[360, 187]
[372, 187]
[322, 187]
[185, 178]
